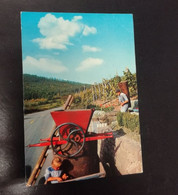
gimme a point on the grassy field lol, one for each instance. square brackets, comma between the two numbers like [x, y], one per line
[36, 105]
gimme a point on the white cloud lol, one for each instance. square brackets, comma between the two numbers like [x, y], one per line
[75, 18]
[32, 65]
[89, 30]
[87, 48]
[89, 63]
[58, 31]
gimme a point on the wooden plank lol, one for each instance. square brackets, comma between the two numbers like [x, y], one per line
[36, 168]
[70, 102]
[67, 102]
[92, 176]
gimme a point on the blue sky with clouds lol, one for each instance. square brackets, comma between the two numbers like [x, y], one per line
[77, 46]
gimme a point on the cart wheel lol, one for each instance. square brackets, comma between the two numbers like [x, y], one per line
[72, 140]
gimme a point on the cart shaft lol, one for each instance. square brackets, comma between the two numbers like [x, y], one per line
[56, 141]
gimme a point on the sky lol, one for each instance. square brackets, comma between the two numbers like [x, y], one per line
[80, 47]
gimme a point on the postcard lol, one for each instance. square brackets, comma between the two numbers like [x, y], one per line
[81, 104]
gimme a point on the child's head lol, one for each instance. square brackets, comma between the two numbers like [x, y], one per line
[56, 163]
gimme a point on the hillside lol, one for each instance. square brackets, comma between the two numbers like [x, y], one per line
[41, 87]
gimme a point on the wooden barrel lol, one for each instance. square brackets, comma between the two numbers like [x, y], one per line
[85, 163]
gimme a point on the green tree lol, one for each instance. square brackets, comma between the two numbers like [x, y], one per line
[132, 81]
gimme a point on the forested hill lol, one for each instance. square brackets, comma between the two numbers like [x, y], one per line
[41, 87]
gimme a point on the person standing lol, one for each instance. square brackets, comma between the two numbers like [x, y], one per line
[123, 99]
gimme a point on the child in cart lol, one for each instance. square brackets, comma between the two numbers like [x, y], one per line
[54, 173]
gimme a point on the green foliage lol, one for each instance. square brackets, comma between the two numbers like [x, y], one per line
[132, 82]
[35, 102]
[108, 109]
[104, 91]
[128, 120]
[77, 99]
[120, 118]
[82, 99]
[91, 106]
[40, 87]
[52, 90]
[109, 87]
[35, 105]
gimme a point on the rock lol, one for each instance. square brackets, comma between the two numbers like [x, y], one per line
[101, 115]
[113, 124]
[123, 155]
[128, 156]
[112, 113]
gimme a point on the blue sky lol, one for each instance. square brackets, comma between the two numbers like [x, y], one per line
[78, 47]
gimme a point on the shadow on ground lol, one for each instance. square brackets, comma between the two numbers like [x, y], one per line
[107, 153]
[28, 170]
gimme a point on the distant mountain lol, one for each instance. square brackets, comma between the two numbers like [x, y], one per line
[41, 87]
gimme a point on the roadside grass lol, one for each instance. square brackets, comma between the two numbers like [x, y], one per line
[130, 125]
[133, 135]
[129, 121]
[31, 106]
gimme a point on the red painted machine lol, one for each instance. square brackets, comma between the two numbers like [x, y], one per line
[71, 132]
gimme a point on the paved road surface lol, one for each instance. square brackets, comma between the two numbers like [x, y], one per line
[36, 125]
